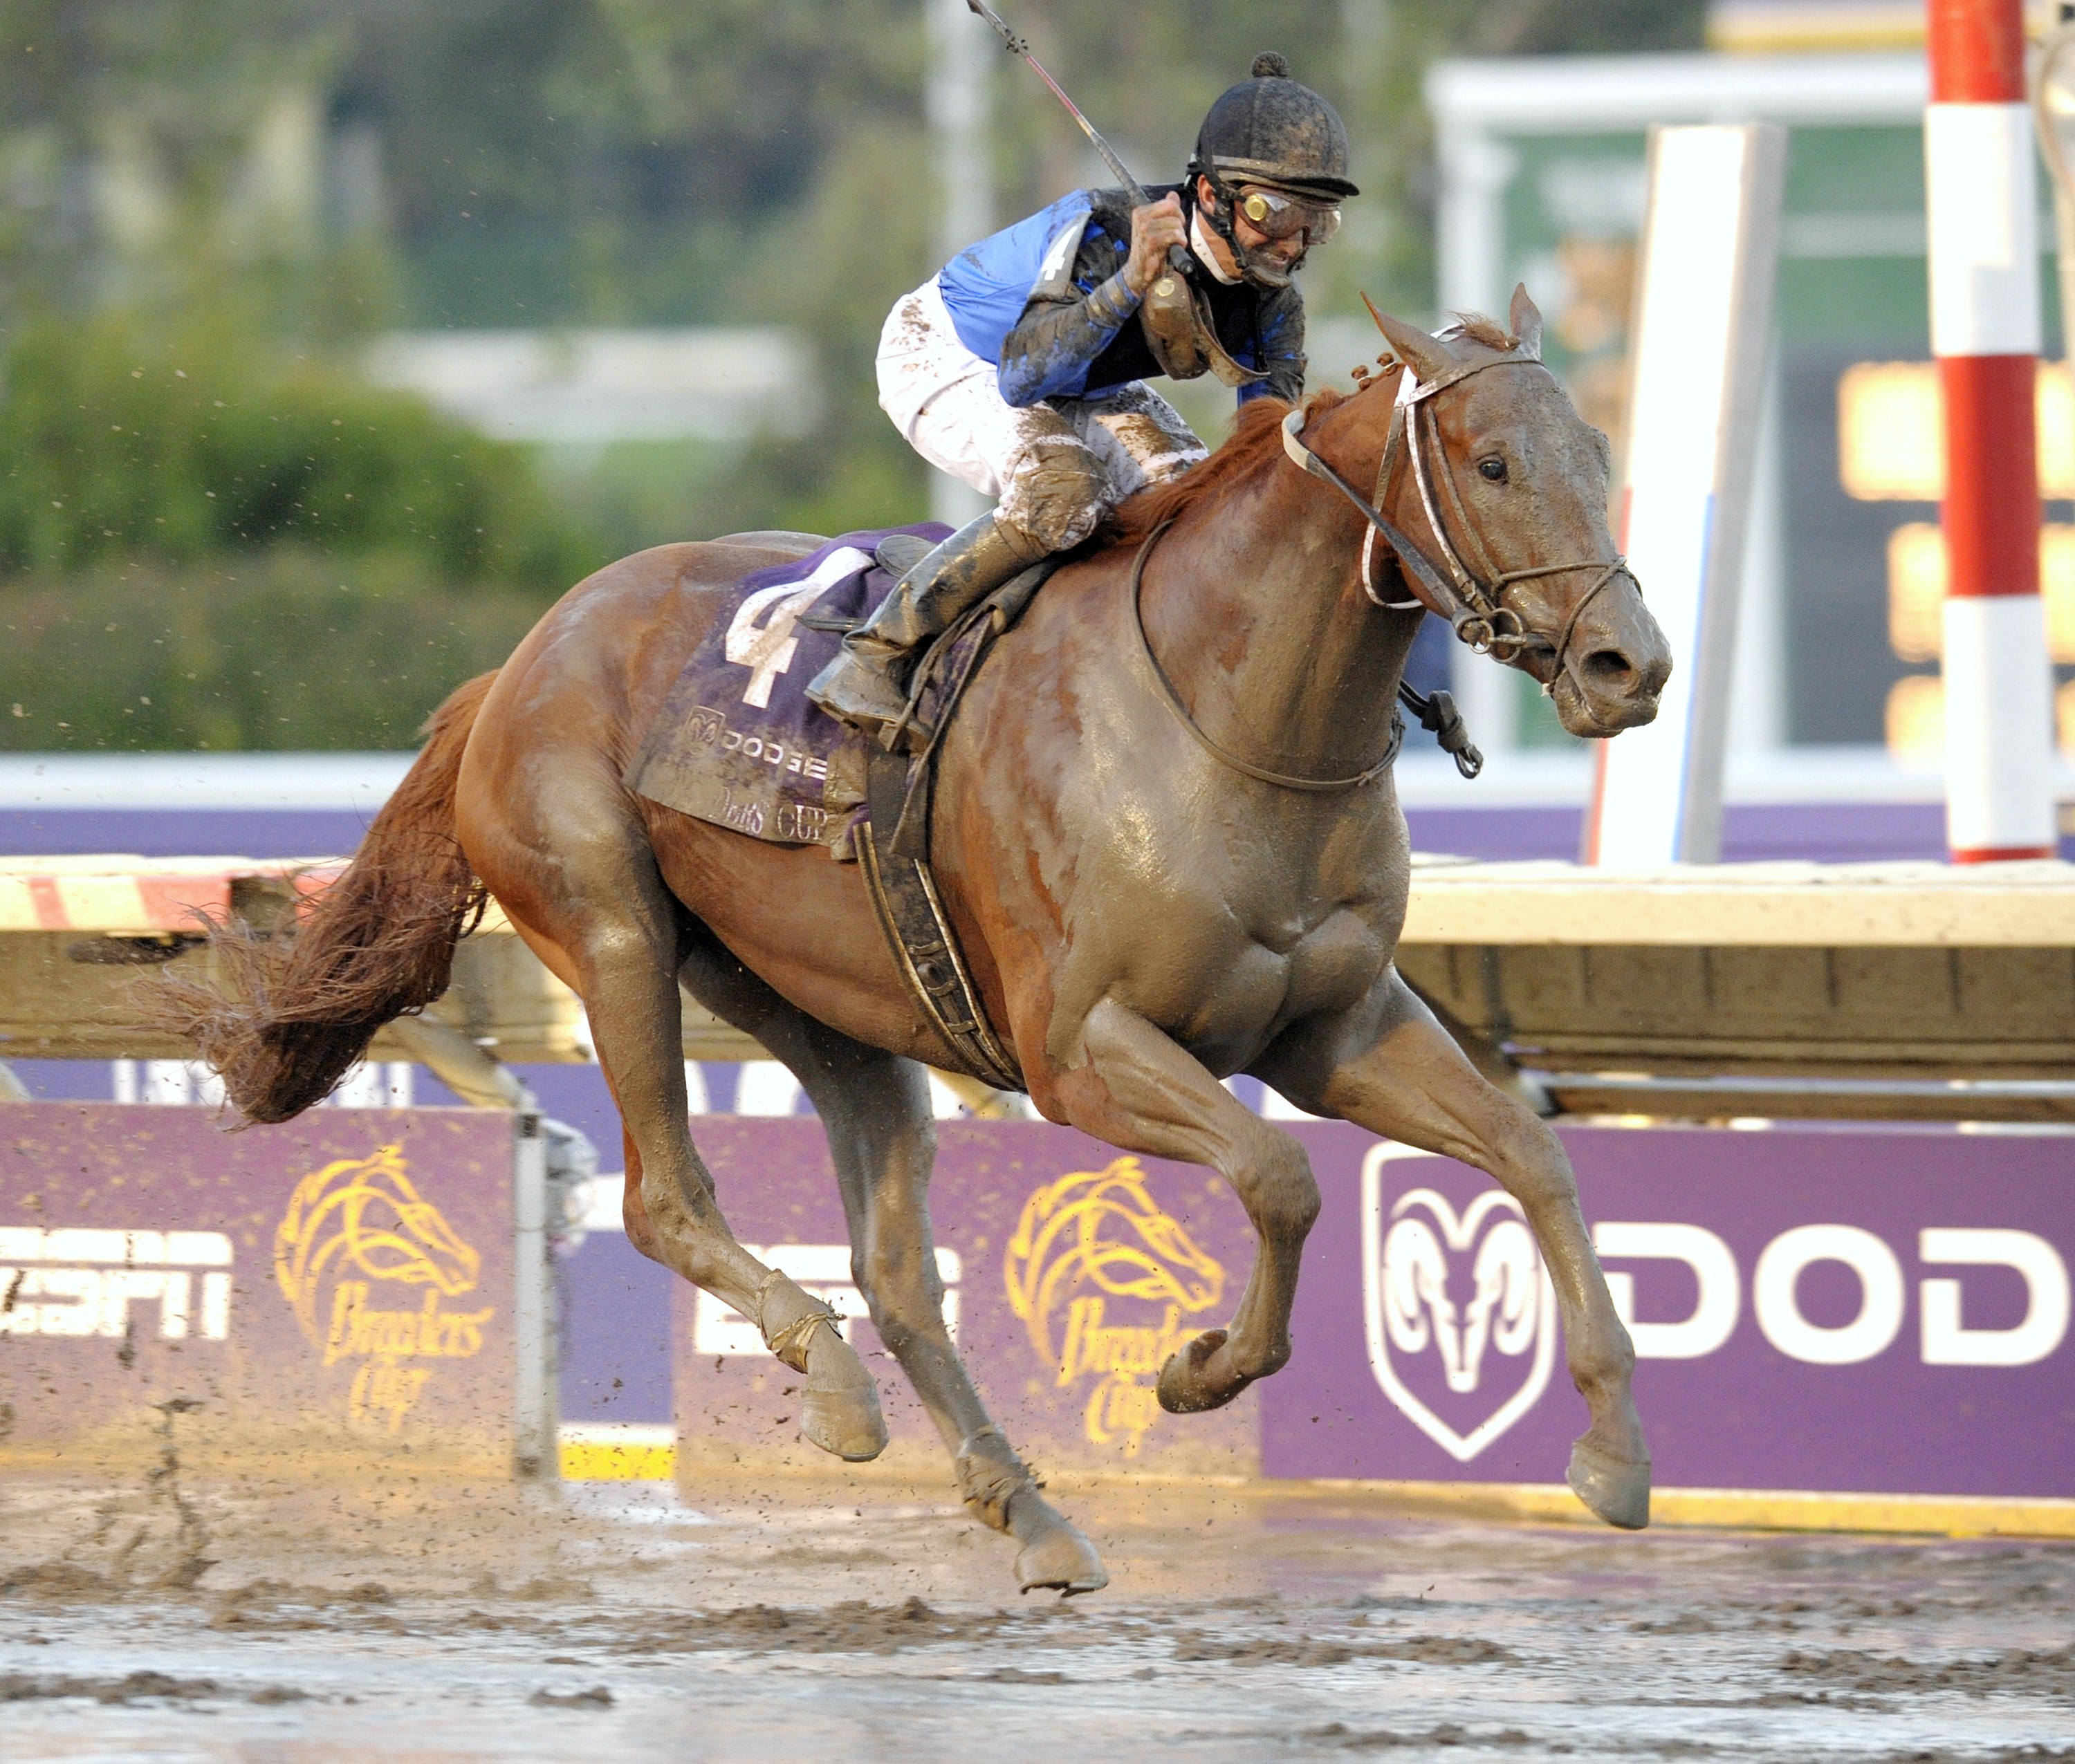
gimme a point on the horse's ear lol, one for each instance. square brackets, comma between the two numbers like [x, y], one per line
[1524, 319]
[1427, 356]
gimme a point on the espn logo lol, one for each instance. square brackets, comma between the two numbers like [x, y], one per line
[83, 1282]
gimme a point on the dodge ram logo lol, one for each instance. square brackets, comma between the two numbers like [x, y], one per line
[1460, 1317]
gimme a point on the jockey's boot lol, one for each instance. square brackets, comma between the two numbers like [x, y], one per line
[867, 684]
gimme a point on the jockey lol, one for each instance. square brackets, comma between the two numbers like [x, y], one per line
[1019, 368]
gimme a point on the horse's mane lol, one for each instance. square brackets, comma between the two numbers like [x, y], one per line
[1256, 436]
[1486, 331]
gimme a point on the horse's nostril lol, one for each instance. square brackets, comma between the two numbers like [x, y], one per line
[1609, 670]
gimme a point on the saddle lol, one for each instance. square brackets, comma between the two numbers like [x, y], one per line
[736, 742]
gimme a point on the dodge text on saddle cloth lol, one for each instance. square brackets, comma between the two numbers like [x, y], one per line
[793, 822]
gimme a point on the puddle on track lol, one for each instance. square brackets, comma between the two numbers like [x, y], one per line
[807, 1618]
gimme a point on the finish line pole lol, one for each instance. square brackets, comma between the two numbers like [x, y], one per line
[1982, 210]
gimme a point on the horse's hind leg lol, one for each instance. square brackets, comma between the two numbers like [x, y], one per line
[1413, 1084]
[621, 935]
[875, 1108]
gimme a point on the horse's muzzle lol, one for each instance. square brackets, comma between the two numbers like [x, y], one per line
[1613, 680]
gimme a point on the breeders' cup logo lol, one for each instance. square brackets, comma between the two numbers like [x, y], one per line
[1102, 1279]
[355, 1230]
[1460, 1316]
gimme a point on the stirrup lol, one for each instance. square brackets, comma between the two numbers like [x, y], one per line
[832, 692]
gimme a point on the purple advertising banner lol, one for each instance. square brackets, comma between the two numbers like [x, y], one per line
[1824, 1309]
[346, 1276]
[1070, 1272]
[1848, 1309]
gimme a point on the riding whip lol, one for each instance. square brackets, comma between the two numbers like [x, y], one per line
[1019, 45]
[1181, 335]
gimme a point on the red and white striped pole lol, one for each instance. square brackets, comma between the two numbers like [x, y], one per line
[1982, 203]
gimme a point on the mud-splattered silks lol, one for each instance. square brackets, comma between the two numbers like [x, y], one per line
[736, 742]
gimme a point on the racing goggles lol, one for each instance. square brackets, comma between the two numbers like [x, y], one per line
[1281, 217]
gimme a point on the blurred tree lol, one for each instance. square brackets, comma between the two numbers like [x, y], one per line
[555, 161]
[122, 441]
[284, 650]
[253, 185]
[170, 152]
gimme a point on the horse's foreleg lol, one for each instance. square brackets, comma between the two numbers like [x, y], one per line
[875, 1107]
[1140, 1090]
[1412, 1083]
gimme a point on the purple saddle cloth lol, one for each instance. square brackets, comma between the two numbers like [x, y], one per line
[736, 742]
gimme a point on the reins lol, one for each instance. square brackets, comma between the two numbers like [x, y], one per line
[1287, 780]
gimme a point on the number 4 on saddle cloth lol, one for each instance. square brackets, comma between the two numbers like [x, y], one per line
[738, 743]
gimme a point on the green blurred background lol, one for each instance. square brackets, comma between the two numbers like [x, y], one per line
[217, 530]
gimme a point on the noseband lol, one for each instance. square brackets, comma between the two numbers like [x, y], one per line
[1473, 606]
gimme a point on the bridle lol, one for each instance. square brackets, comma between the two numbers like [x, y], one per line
[1473, 605]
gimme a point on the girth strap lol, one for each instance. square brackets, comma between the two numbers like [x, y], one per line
[904, 896]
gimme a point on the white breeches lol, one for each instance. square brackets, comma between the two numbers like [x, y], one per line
[1057, 465]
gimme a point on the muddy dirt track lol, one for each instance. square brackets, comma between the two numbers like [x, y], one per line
[249, 1620]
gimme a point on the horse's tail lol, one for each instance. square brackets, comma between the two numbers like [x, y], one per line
[298, 1007]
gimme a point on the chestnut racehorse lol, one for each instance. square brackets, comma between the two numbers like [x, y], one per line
[1142, 911]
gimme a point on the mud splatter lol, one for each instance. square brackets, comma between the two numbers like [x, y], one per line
[597, 1697]
[1276, 1650]
[1264, 1651]
[21, 1688]
[801, 1556]
[486, 1617]
[55, 1580]
[1339, 1737]
[852, 1626]
[2019, 1672]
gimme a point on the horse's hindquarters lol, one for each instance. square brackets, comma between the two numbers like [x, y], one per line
[802, 923]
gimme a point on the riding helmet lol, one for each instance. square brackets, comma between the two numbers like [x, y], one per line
[1272, 130]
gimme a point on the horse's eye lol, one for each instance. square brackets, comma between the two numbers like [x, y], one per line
[1494, 470]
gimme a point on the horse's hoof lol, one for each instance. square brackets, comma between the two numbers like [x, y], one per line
[1617, 1490]
[1184, 1387]
[839, 1406]
[1059, 1556]
[847, 1422]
